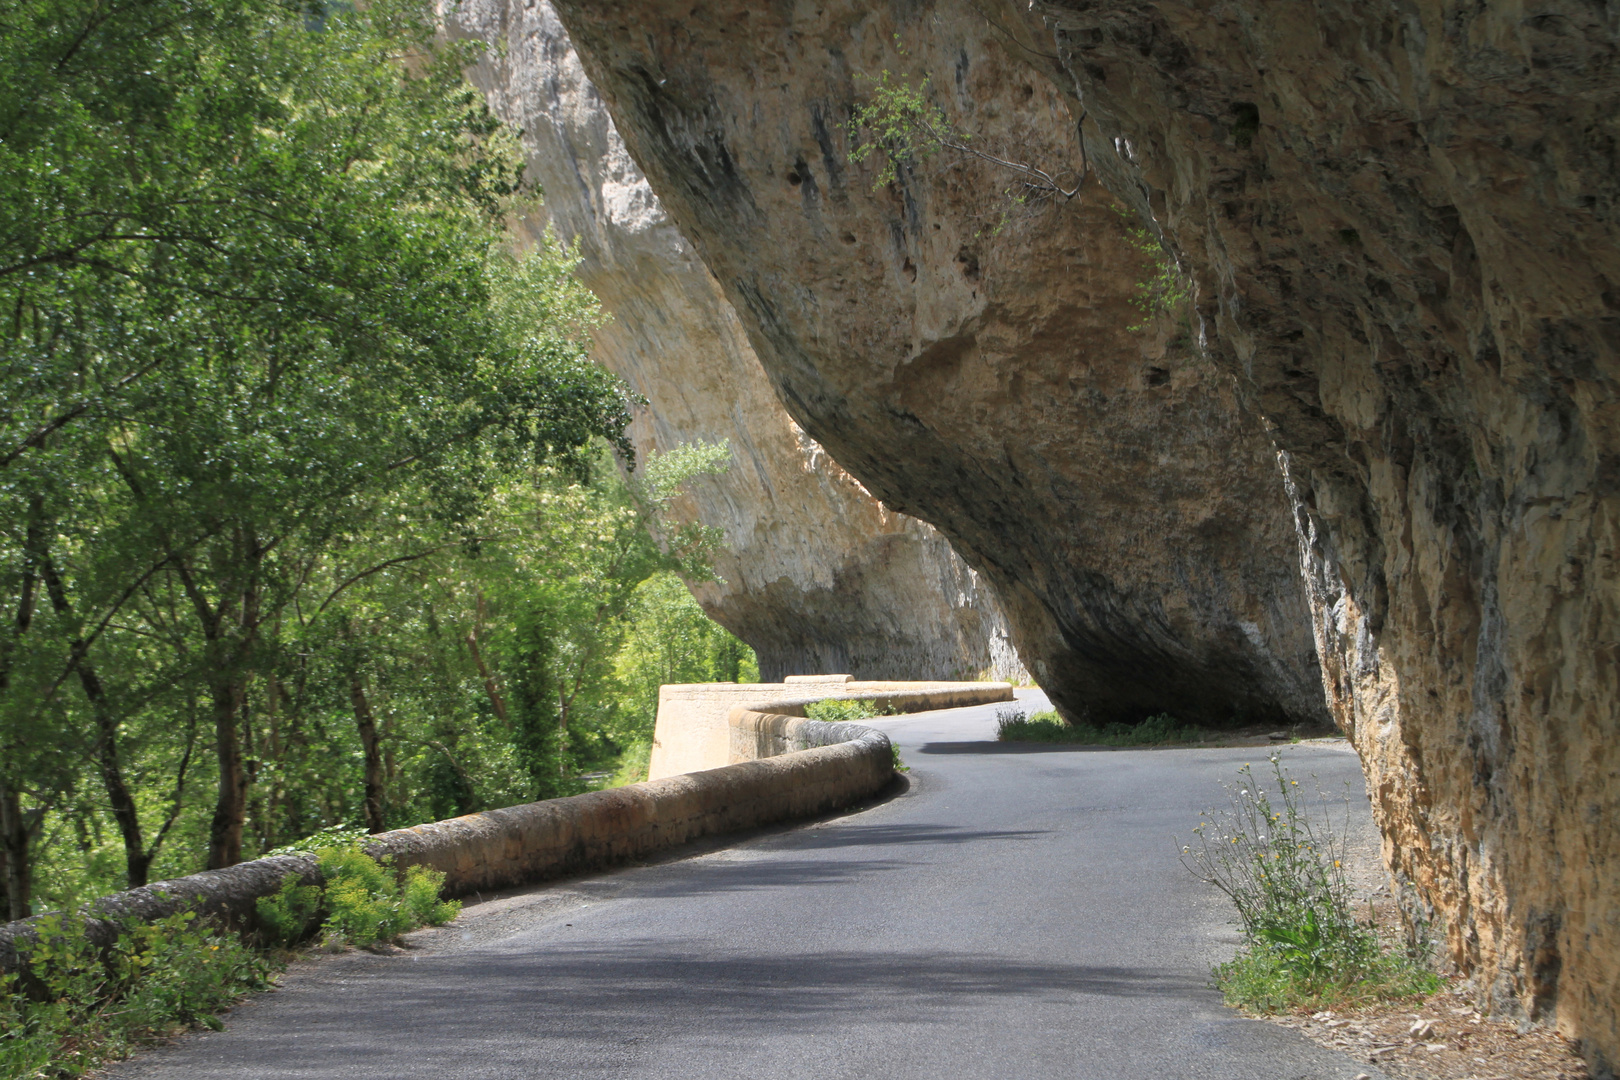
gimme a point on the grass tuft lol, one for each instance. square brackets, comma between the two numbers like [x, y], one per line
[1263, 980]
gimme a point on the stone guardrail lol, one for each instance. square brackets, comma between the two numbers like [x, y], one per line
[785, 767]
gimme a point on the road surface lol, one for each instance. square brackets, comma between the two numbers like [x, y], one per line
[1019, 912]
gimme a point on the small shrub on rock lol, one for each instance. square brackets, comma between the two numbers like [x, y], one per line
[837, 710]
[1012, 725]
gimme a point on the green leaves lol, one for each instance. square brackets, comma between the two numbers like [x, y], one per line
[1283, 869]
[900, 124]
[88, 1005]
[363, 901]
[255, 287]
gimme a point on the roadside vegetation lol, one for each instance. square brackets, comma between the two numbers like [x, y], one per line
[314, 510]
[74, 1007]
[362, 902]
[835, 710]
[1304, 947]
[1013, 725]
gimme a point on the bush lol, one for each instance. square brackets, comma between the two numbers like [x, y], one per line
[1302, 944]
[333, 836]
[286, 916]
[75, 1006]
[363, 900]
[837, 710]
[634, 764]
[1013, 726]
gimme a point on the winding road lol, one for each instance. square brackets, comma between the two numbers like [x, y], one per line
[1018, 912]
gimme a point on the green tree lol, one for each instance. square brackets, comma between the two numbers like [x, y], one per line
[250, 259]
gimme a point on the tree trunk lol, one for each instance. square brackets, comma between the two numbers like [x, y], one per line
[230, 809]
[229, 647]
[273, 695]
[375, 781]
[137, 861]
[119, 799]
[491, 687]
[14, 838]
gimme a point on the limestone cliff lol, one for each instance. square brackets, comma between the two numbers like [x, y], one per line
[1400, 221]
[817, 574]
[969, 360]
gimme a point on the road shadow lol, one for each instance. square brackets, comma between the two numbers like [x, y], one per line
[992, 747]
[712, 876]
[764, 866]
[550, 1008]
[842, 835]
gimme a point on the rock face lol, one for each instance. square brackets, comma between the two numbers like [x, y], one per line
[969, 358]
[1400, 220]
[817, 574]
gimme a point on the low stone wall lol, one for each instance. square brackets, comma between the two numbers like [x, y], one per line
[784, 768]
[693, 731]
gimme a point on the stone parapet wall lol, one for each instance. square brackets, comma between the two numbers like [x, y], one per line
[806, 768]
[694, 730]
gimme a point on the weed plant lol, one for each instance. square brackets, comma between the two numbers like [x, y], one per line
[1303, 947]
[73, 1006]
[363, 903]
[1012, 725]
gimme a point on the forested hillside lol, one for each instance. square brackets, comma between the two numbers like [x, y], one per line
[314, 510]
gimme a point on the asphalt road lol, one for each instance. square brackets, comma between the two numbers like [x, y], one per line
[1017, 913]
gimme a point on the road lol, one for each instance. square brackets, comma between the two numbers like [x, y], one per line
[1019, 912]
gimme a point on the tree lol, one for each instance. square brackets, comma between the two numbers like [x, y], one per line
[250, 258]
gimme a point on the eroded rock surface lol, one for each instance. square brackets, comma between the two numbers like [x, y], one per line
[970, 359]
[1400, 218]
[818, 575]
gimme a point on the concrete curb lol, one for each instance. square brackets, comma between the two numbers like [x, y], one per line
[785, 767]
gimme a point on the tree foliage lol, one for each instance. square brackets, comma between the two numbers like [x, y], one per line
[299, 459]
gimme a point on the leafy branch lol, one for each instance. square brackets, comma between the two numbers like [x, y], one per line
[1167, 289]
[905, 127]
